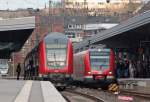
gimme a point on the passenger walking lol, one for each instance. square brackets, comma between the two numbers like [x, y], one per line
[25, 72]
[139, 69]
[18, 70]
[145, 66]
[120, 67]
[31, 67]
[131, 69]
[126, 69]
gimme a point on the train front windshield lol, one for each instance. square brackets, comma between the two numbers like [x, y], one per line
[56, 54]
[100, 59]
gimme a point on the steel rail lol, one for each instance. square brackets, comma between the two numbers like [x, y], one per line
[134, 93]
[94, 98]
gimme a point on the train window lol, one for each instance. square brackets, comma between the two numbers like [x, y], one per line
[56, 50]
[100, 59]
[56, 55]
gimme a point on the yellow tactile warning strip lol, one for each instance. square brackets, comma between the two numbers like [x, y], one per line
[24, 94]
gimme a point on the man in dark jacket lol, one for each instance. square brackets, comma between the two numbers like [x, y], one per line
[18, 70]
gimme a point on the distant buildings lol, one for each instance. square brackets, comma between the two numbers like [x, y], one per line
[101, 7]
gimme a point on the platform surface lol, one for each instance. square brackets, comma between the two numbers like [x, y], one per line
[140, 85]
[28, 91]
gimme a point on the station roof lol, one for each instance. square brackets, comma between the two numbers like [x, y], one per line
[99, 26]
[127, 34]
[14, 32]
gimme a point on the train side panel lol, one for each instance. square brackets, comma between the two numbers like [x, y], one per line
[79, 66]
[87, 65]
[42, 58]
[70, 58]
[111, 72]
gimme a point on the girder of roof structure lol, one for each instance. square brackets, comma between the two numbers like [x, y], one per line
[13, 34]
[128, 34]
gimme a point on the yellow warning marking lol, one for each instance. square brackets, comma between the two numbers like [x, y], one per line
[113, 87]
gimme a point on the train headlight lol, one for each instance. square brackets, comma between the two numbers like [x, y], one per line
[62, 63]
[99, 50]
[110, 72]
[89, 72]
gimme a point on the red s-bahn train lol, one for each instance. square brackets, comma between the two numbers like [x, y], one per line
[51, 59]
[95, 67]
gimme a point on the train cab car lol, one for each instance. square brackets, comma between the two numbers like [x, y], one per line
[54, 56]
[94, 65]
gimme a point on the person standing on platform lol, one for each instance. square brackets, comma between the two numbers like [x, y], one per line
[31, 67]
[120, 67]
[131, 69]
[139, 69]
[18, 70]
[126, 69]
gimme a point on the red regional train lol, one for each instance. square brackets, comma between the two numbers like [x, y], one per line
[95, 67]
[52, 59]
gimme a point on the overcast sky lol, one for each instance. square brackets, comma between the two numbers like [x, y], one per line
[15, 4]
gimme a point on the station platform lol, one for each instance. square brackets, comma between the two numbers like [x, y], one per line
[140, 85]
[28, 91]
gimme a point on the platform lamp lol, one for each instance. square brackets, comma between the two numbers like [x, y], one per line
[13, 73]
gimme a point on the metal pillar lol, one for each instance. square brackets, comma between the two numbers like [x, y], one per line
[13, 64]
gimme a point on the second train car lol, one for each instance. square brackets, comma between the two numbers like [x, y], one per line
[95, 67]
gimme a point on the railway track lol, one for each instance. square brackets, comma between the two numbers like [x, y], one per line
[106, 96]
[89, 98]
[137, 94]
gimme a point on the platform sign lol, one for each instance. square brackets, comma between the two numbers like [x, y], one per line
[125, 98]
